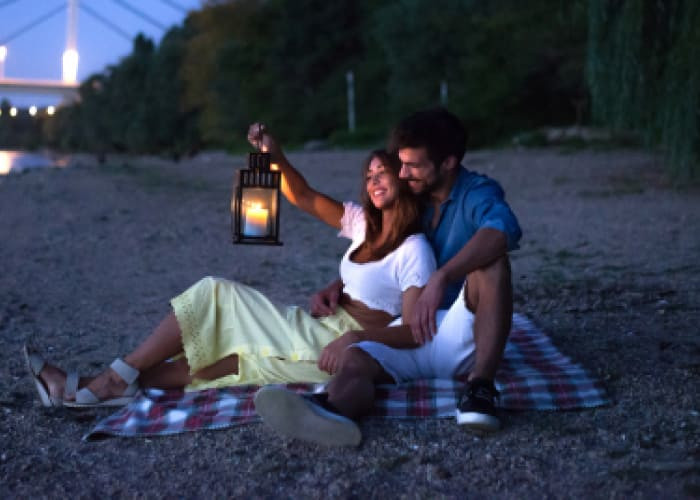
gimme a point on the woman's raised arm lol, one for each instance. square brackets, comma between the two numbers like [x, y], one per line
[294, 186]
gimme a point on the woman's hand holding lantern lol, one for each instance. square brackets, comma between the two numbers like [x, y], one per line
[260, 139]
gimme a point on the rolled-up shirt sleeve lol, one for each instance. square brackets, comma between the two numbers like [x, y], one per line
[487, 206]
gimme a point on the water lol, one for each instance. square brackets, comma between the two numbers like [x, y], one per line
[16, 161]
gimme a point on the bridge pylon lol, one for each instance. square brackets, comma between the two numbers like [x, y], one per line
[70, 55]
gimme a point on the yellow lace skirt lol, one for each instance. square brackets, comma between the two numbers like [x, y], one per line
[274, 344]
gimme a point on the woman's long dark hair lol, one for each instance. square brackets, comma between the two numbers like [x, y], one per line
[408, 209]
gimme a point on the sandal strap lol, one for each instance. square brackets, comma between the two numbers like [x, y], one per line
[86, 397]
[128, 373]
[36, 362]
[71, 387]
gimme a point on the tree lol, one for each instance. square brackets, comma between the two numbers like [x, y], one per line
[644, 74]
[509, 65]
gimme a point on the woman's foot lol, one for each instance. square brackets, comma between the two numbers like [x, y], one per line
[106, 385]
[116, 386]
[54, 381]
[52, 384]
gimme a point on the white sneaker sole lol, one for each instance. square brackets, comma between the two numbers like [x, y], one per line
[478, 421]
[291, 415]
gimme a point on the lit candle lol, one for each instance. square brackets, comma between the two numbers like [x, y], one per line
[256, 221]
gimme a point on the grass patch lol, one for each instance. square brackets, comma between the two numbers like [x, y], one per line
[565, 256]
[551, 276]
[157, 178]
[680, 269]
[619, 186]
[613, 267]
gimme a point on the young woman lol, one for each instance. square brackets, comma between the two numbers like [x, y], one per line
[223, 333]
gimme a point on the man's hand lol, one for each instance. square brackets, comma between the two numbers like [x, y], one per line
[423, 325]
[332, 354]
[325, 302]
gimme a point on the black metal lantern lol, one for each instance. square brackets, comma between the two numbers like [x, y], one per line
[255, 203]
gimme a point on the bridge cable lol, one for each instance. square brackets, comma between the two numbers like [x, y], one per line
[171, 3]
[106, 22]
[33, 24]
[140, 13]
[6, 2]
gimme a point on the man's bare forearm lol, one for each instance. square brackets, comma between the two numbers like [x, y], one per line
[484, 247]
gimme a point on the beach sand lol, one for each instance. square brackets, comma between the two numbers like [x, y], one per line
[608, 266]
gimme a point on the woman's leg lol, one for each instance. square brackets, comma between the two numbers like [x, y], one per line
[150, 358]
[176, 374]
[163, 343]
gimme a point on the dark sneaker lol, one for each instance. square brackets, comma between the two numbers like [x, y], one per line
[476, 408]
[305, 417]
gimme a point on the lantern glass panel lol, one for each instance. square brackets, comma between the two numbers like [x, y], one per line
[258, 212]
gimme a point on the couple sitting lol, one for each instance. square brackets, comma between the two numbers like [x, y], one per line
[424, 292]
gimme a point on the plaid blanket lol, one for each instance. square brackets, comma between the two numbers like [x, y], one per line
[533, 375]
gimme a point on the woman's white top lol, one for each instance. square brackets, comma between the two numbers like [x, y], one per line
[379, 284]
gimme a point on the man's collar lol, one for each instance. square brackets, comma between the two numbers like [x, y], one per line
[460, 179]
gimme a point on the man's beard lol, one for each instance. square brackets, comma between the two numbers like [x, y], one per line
[429, 187]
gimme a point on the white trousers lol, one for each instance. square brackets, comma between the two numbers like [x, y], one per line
[449, 353]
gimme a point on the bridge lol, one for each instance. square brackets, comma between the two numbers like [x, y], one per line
[67, 90]
[67, 87]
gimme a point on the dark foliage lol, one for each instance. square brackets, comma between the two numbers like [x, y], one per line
[644, 74]
[507, 66]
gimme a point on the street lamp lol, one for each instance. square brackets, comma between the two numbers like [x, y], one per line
[255, 203]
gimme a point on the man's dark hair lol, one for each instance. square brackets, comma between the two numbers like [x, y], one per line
[437, 130]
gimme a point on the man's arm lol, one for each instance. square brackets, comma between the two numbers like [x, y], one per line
[485, 246]
[485, 207]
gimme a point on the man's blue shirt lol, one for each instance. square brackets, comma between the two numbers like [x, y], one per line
[475, 202]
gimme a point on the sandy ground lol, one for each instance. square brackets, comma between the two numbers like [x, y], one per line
[609, 267]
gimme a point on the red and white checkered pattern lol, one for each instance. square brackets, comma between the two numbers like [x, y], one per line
[534, 375]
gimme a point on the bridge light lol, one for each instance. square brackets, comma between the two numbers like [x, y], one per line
[70, 66]
[13, 111]
[3, 56]
[50, 110]
[32, 110]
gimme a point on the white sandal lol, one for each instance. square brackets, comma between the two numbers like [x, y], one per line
[35, 363]
[85, 398]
